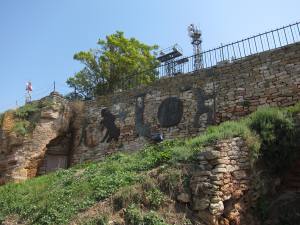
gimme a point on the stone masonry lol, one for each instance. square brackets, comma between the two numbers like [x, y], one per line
[172, 107]
[207, 97]
[220, 181]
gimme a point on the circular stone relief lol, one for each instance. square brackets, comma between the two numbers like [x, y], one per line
[170, 112]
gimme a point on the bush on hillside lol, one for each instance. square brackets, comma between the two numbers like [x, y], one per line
[102, 220]
[27, 110]
[133, 216]
[276, 130]
[21, 127]
[27, 116]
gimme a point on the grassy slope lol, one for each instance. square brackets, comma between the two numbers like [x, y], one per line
[56, 197]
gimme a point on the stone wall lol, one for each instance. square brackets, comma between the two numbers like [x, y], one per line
[220, 182]
[173, 107]
[184, 105]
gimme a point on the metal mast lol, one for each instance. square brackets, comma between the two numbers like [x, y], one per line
[195, 34]
[28, 92]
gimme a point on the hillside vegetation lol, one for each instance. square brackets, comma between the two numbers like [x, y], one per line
[23, 119]
[124, 180]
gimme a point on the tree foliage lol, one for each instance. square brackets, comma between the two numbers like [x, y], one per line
[118, 63]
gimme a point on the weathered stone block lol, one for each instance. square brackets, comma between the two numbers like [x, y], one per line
[240, 174]
[216, 208]
[184, 197]
[200, 204]
[211, 154]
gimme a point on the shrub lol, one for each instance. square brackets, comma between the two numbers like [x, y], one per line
[155, 198]
[293, 110]
[148, 183]
[25, 119]
[102, 220]
[275, 128]
[127, 196]
[21, 127]
[152, 218]
[27, 110]
[27, 115]
[133, 216]
[171, 180]
[47, 103]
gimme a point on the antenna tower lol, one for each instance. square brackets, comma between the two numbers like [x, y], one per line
[195, 34]
[28, 92]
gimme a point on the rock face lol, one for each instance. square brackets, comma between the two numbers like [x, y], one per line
[22, 156]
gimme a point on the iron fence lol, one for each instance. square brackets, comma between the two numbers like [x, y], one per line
[234, 51]
[221, 55]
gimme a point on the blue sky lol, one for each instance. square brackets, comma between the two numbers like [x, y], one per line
[38, 38]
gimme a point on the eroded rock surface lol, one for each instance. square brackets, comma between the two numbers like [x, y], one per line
[21, 155]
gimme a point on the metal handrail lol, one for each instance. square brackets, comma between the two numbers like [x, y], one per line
[223, 54]
[237, 50]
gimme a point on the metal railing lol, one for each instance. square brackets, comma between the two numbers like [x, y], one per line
[235, 51]
[218, 56]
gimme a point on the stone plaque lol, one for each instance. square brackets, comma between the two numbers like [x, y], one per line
[170, 112]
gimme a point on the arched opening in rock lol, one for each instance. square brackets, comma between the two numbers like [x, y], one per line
[57, 155]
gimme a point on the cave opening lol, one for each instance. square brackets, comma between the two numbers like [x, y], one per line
[57, 155]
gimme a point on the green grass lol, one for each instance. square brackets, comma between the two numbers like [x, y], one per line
[24, 112]
[134, 216]
[102, 220]
[21, 127]
[56, 197]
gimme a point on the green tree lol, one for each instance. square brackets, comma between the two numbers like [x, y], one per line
[119, 63]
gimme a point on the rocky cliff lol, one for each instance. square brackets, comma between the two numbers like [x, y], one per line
[24, 141]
